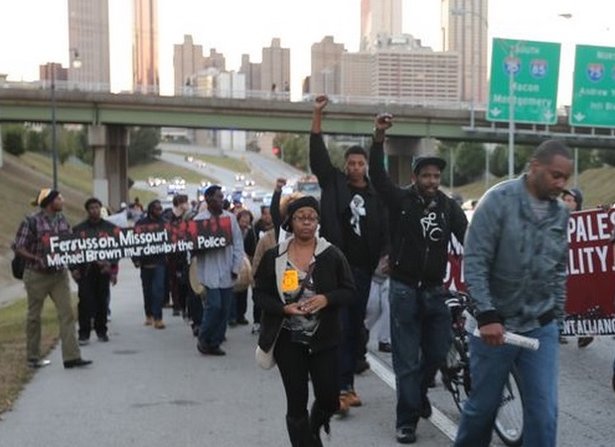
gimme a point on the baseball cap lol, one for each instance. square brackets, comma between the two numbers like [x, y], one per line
[420, 162]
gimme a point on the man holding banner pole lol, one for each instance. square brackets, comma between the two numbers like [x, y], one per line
[41, 279]
[516, 254]
[93, 278]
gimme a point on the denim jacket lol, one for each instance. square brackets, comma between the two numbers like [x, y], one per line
[514, 264]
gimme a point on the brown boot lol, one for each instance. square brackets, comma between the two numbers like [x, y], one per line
[352, 398]
[344, 406]
[149, 321]
[159, 324]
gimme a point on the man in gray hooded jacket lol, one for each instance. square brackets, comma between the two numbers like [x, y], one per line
[515, 258]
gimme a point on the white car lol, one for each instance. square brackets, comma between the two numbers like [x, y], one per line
[258, 196]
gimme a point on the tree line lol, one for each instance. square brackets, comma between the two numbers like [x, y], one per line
[469, 164]
[72, 141]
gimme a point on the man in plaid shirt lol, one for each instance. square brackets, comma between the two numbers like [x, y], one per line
[41, 280]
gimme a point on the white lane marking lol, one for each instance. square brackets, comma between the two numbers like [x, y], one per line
[439, 419]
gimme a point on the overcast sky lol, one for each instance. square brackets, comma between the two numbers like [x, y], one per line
[36, 31]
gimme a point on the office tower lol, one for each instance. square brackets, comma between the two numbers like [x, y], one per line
[379, 17]
[400, 69]
[465, 27]
[145, 47]
[416, 77]
[356, 74]
[215, 60]
[252, 72]
[88, 42]
[326, 67]
[187, 61]
[52, 71]
[275, 70]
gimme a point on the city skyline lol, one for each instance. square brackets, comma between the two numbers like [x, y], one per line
[255, 27]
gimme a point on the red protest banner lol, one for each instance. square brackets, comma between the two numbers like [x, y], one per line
[590, 302]
[591, 274]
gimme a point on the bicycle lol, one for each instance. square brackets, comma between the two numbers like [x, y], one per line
[456, 375]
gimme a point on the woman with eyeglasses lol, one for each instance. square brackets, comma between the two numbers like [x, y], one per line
[300, 285]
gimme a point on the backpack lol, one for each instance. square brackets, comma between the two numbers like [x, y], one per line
[18, 264]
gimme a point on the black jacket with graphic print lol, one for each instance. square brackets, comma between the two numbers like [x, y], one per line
[420, 230]
[335, 200]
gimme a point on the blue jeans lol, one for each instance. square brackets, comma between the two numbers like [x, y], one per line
[352, 319]
[489, 369]
[216, 312]
[153, 284]
[420, 339]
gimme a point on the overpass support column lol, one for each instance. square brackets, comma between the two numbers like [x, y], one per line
[110, 168]
[1, 154]
[400, 152]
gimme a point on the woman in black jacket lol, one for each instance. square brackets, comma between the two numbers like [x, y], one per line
[300, 284]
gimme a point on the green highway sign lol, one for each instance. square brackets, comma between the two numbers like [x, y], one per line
[534, 67]
[593, 91]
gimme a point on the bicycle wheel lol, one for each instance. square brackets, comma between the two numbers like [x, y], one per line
[509, 420]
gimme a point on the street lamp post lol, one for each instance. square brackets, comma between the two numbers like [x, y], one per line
[511, 114]
[54, 138]
[54, 143]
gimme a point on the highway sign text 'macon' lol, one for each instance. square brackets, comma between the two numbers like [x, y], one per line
[534, 67]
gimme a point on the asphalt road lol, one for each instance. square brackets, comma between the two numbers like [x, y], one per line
[152, 388]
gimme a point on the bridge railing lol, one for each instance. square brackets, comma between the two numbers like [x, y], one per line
[188, 91]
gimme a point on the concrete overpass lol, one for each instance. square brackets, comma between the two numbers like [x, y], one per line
[444, 123]
[108, 115]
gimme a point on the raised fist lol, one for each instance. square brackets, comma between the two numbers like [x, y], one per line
[321, 102]
[383, 121]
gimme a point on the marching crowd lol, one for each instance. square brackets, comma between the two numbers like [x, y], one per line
[369, 254]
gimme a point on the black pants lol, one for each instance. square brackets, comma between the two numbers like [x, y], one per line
[241, 305]
[177, 276]
[295, 362]
[353, 329]
[93, 302]
[256, 312]
[195, 307]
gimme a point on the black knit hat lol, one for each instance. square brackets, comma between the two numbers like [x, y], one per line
[577, 195]
[302, 202]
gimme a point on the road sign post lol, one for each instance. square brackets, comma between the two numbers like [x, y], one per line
[593, 91]
[534, 69]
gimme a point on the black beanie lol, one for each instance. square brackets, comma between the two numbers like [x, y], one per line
[302, 202]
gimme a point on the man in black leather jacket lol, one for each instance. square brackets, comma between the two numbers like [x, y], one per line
[422, 219]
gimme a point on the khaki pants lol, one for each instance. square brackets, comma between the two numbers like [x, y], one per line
[56, 285]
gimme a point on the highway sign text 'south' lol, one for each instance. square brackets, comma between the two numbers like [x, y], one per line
[535, 69]
[593, 93]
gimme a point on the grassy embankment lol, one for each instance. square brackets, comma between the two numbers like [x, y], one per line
[14, 372]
